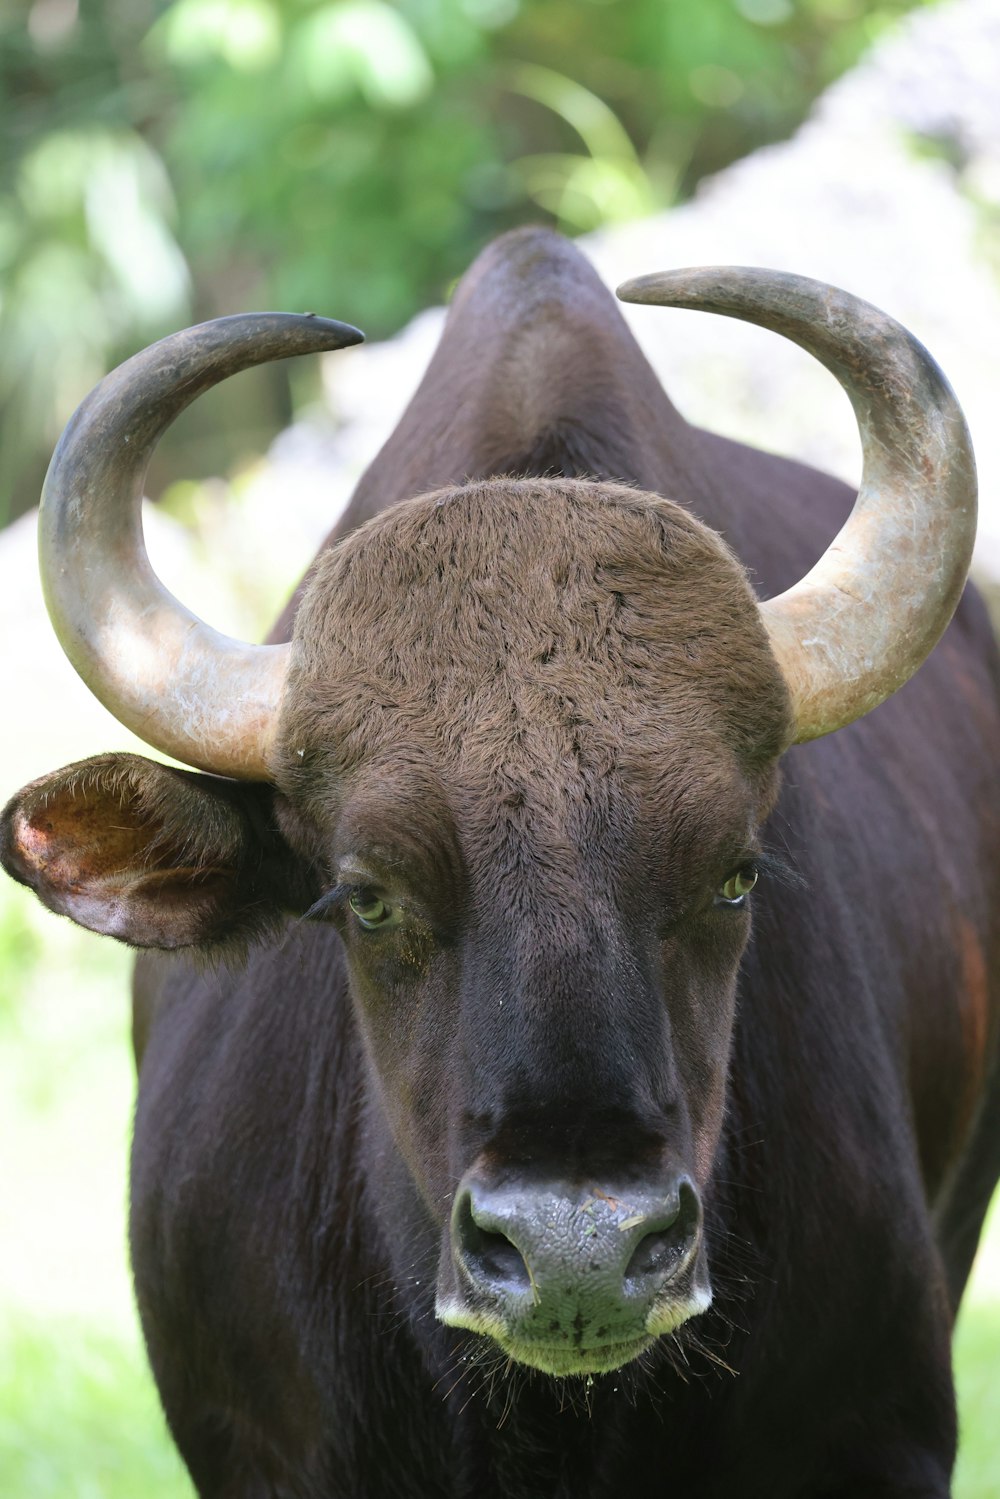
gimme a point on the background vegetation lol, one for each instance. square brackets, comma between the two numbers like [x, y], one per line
[163, 162]
[166, 162]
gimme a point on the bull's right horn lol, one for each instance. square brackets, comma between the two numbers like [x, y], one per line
[184, 688]
[877, 601]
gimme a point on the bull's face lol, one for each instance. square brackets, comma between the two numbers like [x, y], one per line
[532, 784]
[529, 735]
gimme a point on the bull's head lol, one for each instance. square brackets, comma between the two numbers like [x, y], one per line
[518, 753]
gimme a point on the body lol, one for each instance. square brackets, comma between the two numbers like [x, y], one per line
[494, 1153]
[847, 1025]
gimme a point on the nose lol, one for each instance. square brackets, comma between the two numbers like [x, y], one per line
[563, 1267]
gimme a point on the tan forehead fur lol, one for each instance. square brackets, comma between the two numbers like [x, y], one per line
[541, 621]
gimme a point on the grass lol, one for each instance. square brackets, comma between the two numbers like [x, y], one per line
[977, 1368]
[79, 1417]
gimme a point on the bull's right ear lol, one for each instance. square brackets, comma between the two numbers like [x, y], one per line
[152, 855]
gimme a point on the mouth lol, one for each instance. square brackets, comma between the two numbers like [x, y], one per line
[564, 1362]
[567, 1359]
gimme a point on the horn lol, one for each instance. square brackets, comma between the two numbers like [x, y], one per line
[183, 687]
[852, 631]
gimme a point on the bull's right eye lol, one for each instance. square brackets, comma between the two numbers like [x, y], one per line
[372, 911]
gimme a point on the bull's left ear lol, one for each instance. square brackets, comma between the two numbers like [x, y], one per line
[152, 855]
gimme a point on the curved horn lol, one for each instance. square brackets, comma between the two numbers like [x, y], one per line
[864, 618]
[183, 687]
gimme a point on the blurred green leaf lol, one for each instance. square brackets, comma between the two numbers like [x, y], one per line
[246, 34]
[363, 45]
[597, 126]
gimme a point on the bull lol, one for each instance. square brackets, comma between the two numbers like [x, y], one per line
[491, 1153]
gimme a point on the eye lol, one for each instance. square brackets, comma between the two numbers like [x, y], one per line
[372, 911]
[738, 886]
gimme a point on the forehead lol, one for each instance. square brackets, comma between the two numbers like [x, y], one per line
[541, 636]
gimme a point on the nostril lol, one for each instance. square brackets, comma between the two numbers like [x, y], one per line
[657, 1254]
[662, 1250]
[499, 1261]
[490, 1257]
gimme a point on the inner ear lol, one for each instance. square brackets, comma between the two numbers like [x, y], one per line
[150, 854]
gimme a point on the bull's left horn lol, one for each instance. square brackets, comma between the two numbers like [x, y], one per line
[873, 607]
[183, 687]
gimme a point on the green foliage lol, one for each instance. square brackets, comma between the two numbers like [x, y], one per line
[977, 1475]
[79, 1417]
[21, 949]
[164, 159]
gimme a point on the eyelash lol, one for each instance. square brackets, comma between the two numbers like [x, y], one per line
[341, 896]
[327, 901]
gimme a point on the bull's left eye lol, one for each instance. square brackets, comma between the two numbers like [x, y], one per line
[738, 886]
[371, 911]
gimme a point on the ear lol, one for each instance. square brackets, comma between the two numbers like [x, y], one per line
[152, 855]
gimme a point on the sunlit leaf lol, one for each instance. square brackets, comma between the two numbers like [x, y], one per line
[363, 45]
[244, 33]
[767, 12]
[597, 126]
[125, 194]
